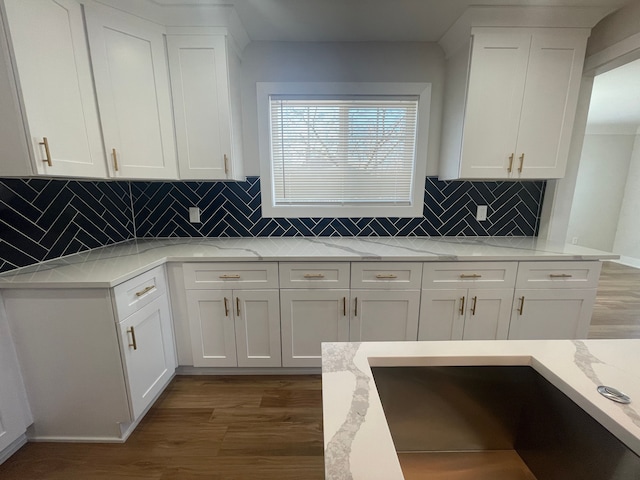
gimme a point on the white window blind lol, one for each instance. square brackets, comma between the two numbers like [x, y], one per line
[343, 150]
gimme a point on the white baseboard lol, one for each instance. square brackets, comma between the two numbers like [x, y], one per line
[16, 445]
[188, 370]
[628, 261]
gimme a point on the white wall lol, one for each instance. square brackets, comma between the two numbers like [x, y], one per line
[627, 240]
[600, 187]
[340, 62]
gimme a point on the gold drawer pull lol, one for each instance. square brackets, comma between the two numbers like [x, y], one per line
[473, 309]
[386, 275]
[344, 306]
[225, 276]
[226, 307]
[145, 290]
[510, 169]
[355, 313]
[560, 275]
[521, 309]
[472, 275]
[115, 159]
[133, 338]
[461, 305]
[226, 164]
[521, 163]
[314, 275]
[238, 305]
[45, 142]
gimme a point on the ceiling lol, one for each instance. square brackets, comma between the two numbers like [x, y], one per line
[615, 100]
[361, 20]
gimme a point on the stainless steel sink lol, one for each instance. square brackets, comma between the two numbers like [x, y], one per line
[495, 422]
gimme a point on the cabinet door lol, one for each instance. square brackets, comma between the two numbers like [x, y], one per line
[201, 106]
[494, 101]
[132, 84]
[551, 314]
[308, 318]
[54, 76]
[442, 314]
[549, 105]
[379, 315]
[257, 322]
[487, 314]
[149, 353]
[213, 338]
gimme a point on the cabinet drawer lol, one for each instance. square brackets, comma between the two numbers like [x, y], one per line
[314, 275]
[206, 276]
[469, 275]
[134, 294]
[386, 276]
[558, 274]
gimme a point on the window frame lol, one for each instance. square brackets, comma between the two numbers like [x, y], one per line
[416, 207]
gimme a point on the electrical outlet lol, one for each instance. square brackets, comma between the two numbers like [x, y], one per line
[481, 213]
[574, 241]
[194, 214]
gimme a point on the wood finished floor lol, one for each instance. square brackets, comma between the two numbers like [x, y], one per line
[236, 428]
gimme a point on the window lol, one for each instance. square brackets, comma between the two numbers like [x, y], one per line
[330, 152]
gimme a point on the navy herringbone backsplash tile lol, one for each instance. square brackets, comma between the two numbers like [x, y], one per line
[45, 219]
[233, 210]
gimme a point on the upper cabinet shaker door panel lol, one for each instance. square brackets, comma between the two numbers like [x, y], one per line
[132, 84]
[549, 105]
[54, 75]
[495, 91]
[200, 88]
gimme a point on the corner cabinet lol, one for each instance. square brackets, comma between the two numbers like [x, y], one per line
[206, 106]
[110, 351]
[521, 97]
[132, 84]
[48, 89]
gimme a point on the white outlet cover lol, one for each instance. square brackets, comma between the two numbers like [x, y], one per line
[481, 213]
[194, 214]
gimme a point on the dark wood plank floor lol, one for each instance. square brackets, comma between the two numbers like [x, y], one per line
[202, 427]
[235, 428]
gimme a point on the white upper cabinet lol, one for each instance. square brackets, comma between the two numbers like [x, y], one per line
[521, 97]
[54, 92]
[132, 85]
[206, 106]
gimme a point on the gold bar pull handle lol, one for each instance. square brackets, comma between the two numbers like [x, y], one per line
[510, 169]
[115, 159]
[227, 276]
[386, 275]
[226, 307]
[238, 305]
[521, 163]
[461, 305]
[145, 290]
[314, 275]
[521, 309]
[473, 308]
[226, 164]
[47, 152]
[344, 306]
[133, 338]
[355, 312]
[472, 275]
[560, 275]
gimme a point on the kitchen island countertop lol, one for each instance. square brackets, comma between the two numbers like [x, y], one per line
[112, 265]
[358, 444]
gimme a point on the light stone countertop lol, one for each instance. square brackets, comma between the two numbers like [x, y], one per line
[358, 444]
[112, 265]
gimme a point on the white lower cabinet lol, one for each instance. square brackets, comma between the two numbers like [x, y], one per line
[465, 314]
[551, 314]
[234, 328]
[310, 317]
[384, 315]
[85, 376]
[148, 352]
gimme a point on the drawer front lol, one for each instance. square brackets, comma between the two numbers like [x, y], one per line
[558, 274]
[314, 275]
[134, 294]
[469, 275]
[386, 275]
[216, 276]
